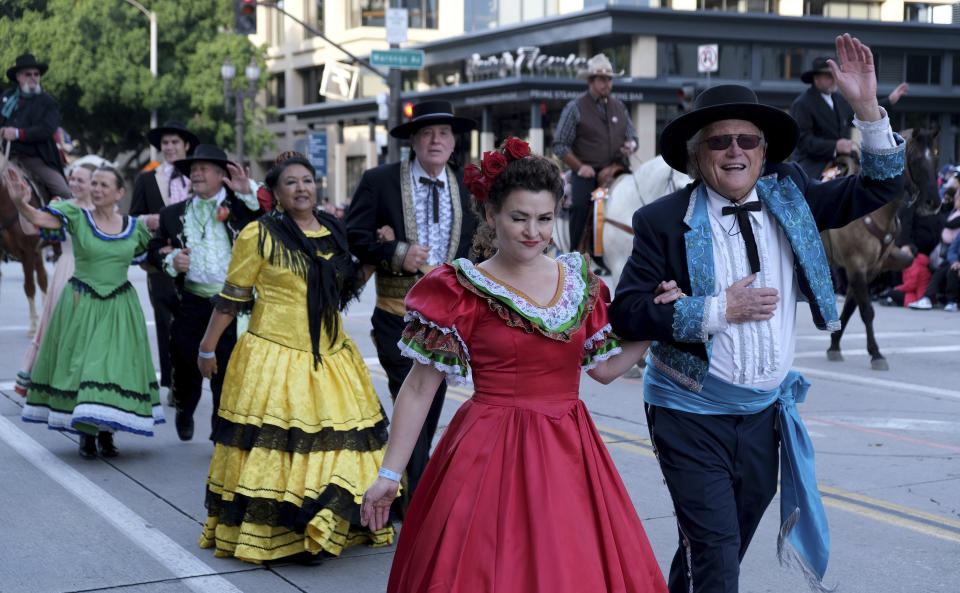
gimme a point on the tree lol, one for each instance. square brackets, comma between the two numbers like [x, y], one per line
[99, 56]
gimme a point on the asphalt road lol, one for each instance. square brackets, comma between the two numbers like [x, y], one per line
[888, 465]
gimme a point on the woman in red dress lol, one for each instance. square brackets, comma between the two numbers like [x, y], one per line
[520, 494]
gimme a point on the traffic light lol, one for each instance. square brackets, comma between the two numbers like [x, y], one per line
[408, 110]
[245, 17]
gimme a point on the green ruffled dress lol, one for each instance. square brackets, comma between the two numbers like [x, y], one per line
[94, 371]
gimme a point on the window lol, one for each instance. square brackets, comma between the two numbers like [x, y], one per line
[313, 16]
[276, 93]
[740, 5]
[841, 9]
[788, 63]
[311, 78]
[422, 14]
[680, 59]
[481, 15]
[895, 67]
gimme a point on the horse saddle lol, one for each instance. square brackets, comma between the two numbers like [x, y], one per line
[607, 174]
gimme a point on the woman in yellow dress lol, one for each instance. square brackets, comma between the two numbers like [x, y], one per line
[300, 432]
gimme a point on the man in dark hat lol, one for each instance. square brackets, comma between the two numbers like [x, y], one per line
[742, 242]
[595, 138]
[824, 117]
[29, 119]
[152, 191]
[405, 219]
[192, 244]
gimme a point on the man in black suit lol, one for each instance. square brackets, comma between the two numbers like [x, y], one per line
[29, 119]
[153, 191]
[193, 244]
[405, 219]
[824, 117]
[743, 242]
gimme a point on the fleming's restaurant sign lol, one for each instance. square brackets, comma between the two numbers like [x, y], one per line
[528, 60]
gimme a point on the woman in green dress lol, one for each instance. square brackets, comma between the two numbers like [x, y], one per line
[94, 374]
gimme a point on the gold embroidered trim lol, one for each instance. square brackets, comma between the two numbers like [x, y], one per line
[236, 293]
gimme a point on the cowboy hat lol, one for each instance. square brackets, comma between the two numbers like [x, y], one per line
[204, 152]
[23, 62]
[155, 135]
[598, 65]
[728, 101]
[820, 66]
[431, 113]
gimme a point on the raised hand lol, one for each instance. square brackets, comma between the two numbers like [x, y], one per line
[17, 186]
[239, 180]
[856, 77]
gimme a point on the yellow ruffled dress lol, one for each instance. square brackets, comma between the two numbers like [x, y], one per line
[296, 445]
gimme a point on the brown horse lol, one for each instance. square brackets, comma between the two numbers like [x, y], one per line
[19, 246]
[865, 247]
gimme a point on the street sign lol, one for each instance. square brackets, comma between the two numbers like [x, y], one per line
[317, 152]
[339, 81]
[406, 59]
[396, 21]
[708, 58]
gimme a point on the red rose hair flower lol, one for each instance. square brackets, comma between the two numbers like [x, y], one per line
[479, 180]
[516, 148]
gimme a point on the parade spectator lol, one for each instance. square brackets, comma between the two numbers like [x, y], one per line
[916, 280]
[522, 455]
[405, 219]
[192, 245]
[719, 390]
[296, 394]
[153, 191]
[824, 117]
[947, 178]
[943, 280]
[80, 179]
[594, 137]
[29, 119]
[94, 373]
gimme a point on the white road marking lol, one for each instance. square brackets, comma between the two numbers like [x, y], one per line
[896, 387]
[918, 424]
[887, 350]
[196, 574]
[882, 335]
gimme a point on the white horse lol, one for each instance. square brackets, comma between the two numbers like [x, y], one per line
[647, 181]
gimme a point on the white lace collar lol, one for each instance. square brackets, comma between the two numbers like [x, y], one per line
[562, 312]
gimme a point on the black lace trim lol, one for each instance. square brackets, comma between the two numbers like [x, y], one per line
[274, 513]
[113, 387]
[81, 286]
[230, 306]
[296, 440]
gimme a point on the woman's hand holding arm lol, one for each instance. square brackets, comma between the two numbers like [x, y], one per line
[413, 403]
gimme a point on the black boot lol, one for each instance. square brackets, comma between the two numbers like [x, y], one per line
[105, 443]
[88, 446]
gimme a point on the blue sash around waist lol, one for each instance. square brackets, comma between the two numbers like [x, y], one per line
[803, 522]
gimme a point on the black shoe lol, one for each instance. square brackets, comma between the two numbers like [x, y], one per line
[88, 446]
[105, 444]
[184, 425]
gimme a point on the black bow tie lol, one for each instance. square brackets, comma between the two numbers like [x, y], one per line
[435, 185]
[743, 219]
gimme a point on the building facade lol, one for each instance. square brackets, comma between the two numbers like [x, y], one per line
[512, 65]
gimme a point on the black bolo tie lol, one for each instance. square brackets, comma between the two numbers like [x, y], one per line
[435, 185]
[742, 212]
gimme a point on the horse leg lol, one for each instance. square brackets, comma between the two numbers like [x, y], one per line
[30, 289]
[849, 304]
[877, 361]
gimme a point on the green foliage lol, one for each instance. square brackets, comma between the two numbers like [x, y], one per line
[99, 57]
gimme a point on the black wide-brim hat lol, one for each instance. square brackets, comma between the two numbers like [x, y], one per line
[728, 101]
[23, 62]
[820, 66]
[204, 152]
[155, 135]
[431, 113]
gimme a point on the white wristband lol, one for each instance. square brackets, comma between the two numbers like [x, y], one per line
[203, 354]
[390, 475]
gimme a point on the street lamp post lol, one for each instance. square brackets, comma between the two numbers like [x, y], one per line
[153, 61]
[228, 72]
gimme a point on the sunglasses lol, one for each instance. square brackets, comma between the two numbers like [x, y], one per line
[744, 141]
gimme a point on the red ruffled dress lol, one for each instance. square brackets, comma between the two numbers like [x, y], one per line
[520, 494]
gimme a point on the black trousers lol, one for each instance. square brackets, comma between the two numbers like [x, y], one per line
[722, 474]
[186, 332]
[944, 279]
[387, 328]
[163, 298]
[580, 206]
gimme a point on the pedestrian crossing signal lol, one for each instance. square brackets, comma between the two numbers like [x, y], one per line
[245, 17]
[408, 110]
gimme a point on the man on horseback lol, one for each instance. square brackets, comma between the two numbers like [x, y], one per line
[28, 120]
[743, 242]
[595, 138]
[824, 117]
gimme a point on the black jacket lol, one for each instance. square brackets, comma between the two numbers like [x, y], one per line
[820, 128]
[38, 117]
